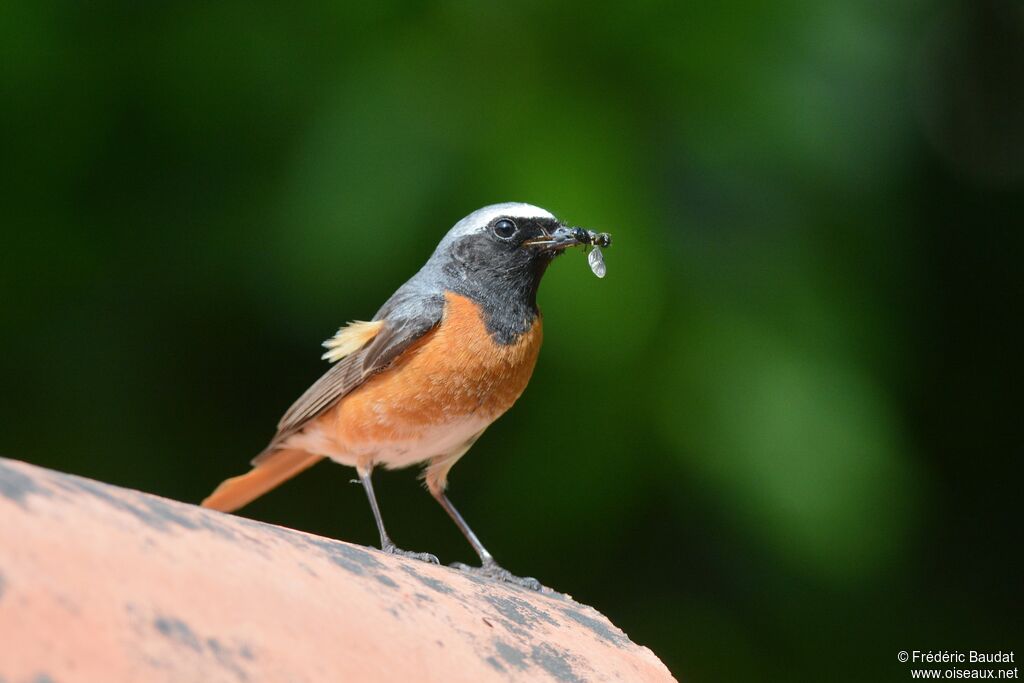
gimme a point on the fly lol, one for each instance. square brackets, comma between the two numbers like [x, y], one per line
[594, 242]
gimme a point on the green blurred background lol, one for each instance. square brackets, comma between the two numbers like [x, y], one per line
[780, 441]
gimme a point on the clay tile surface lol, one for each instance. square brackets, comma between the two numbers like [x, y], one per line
[99, 583]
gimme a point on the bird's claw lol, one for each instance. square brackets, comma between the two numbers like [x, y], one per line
[392, 549]
[493, 570]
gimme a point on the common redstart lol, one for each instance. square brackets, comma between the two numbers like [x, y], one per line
[442, 359]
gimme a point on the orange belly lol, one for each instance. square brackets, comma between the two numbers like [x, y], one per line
[434, 400]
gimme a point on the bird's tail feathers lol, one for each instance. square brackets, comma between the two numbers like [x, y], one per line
[271, 470]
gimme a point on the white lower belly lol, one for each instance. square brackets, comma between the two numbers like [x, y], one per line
[431, 442]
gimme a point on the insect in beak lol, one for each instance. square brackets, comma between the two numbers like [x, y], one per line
[565, 236]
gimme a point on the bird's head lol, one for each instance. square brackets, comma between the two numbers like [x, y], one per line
[510, 243]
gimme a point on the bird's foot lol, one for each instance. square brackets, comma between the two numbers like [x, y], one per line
[393, 549]
[493, 570]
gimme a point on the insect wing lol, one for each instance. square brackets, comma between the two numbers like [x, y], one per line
[596, 260]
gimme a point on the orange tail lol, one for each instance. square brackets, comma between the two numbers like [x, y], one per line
[272, 469]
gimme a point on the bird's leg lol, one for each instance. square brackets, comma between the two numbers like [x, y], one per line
[488, 567]
[386, 544]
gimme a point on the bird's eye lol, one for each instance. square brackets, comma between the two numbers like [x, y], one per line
[504, 228]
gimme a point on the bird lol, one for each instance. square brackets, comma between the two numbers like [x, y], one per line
[444, 357]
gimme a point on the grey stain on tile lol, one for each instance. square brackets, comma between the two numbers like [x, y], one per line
[513, 657]
[386, 580]
[225, 657]
[602, 629]
[156, 513]
[177, 631]
[353, 559]
[17, 486]
[555, 662]
[519, 616]
[228, 658]
[348, 557]
[429, 582]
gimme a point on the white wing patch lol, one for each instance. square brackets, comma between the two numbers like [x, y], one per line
[350, 339]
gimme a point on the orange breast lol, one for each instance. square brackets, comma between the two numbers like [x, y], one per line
[456, 374]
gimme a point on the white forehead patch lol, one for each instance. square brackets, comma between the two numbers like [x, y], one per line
[479, 219]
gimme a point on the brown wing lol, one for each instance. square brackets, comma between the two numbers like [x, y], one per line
[394, 337]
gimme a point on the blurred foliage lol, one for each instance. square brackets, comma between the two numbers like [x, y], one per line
[778, 442]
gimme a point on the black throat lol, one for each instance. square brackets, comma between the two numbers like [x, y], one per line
[505, 290]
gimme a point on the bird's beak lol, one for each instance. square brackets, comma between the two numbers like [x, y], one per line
[559, 239]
